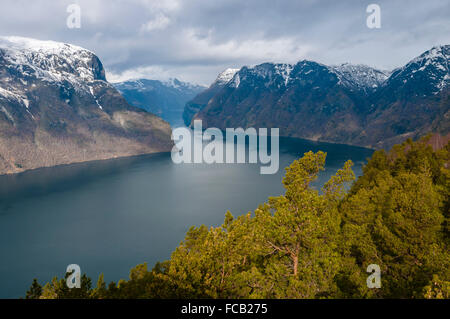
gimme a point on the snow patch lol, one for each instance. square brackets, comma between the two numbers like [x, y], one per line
[359, 75]
[226, 76]
[26, 102]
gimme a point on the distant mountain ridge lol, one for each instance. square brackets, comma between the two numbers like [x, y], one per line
[351, 104]
[360, 76]
[56, 107]
[163, 98]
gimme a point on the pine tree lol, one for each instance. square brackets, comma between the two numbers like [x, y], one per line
[35, 290]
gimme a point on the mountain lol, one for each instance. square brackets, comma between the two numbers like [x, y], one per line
[163, 98]
[56, 107]
[200, 100]
[360, 77]
[307, 99]
[351, 104]
[414, 100]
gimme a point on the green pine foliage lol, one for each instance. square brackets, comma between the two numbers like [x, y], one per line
[313, 244]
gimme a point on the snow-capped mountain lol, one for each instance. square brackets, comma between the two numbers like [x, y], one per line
[164, 98]
[56, 107]
[354, 76]
[346, 103]
[225, 76]
[143, 85]
[357, 77]
[52, 61]
[271, 74]
[427, 74]
[360, 76]
[61, 64]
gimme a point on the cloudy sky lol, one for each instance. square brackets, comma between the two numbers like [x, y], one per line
[194, 40]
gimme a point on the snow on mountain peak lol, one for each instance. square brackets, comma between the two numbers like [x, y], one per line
[269, 71]
[60, 64]
[180, 85]
[173, 82]
[434, 54]
[359, 75]
[434, 63]
[226, 76]
[51, 61]
[22, 43]
[285, 71]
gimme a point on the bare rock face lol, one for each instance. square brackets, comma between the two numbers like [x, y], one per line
[351, 104]
[56, 107]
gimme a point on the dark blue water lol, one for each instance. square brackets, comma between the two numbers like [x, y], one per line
[109, 216]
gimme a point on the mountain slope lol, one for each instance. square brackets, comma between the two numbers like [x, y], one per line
[163, 98]
[200, 100]
[352, 104]
[413, 101]
[300, 99]
[360, 77]
[57, 108]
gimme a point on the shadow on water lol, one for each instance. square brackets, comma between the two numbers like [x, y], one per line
[298, 147]
[41, 181]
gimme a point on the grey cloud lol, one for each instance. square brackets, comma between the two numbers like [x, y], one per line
[195, 39]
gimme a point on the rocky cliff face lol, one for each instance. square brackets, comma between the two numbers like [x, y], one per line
[352, 104]
[57, 108]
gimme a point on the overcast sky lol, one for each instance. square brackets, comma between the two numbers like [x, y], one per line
[194, 40]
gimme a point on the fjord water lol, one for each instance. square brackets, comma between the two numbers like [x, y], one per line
[109, 216]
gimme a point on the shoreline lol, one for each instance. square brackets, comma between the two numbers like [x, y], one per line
[82, 162]
[161, 152]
